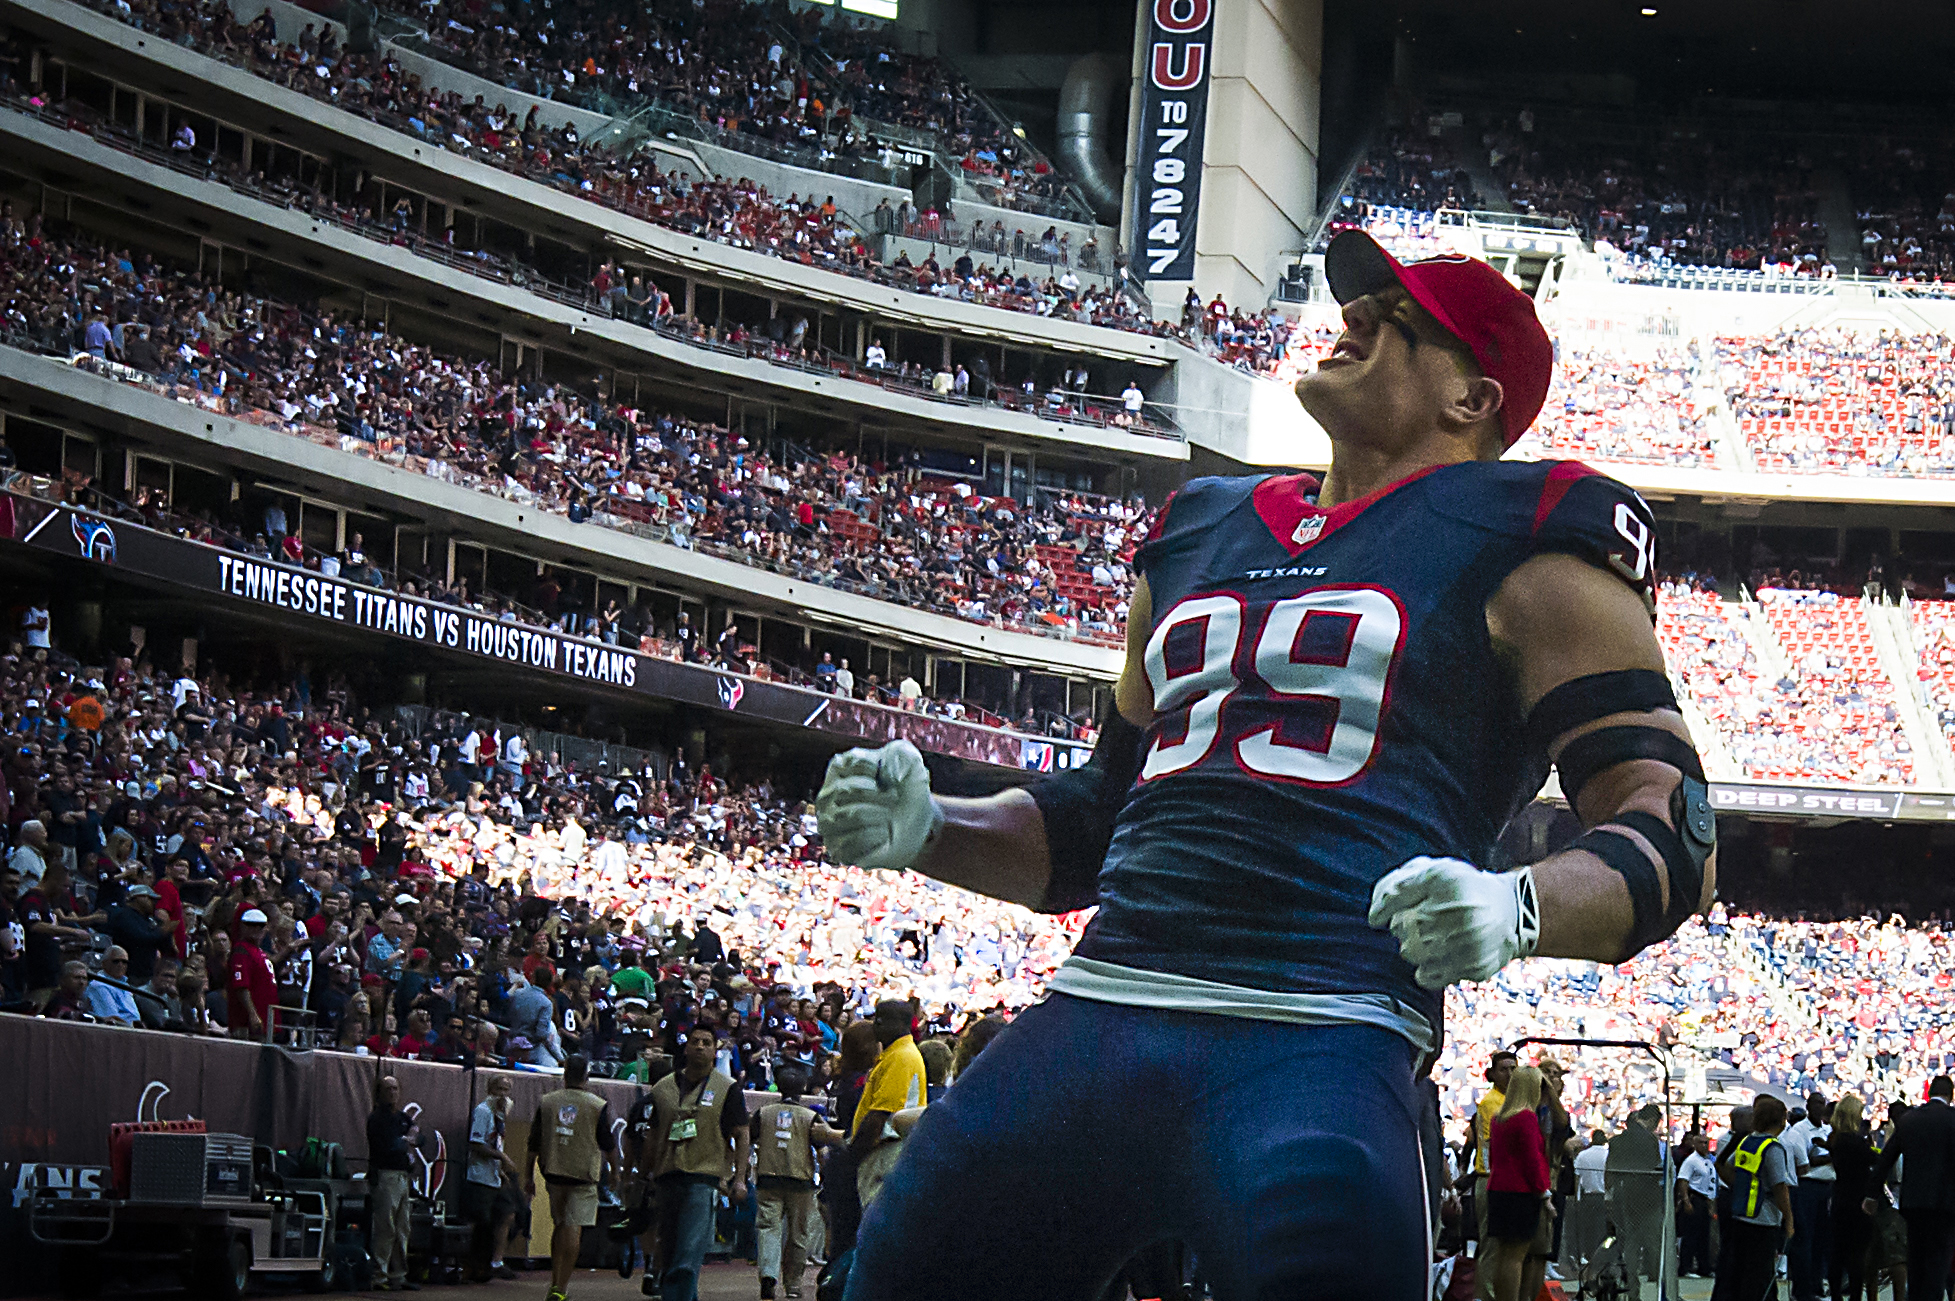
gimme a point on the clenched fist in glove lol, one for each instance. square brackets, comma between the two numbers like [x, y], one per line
[1454, 922]
[875, 808]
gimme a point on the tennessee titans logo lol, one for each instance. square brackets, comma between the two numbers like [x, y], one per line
[731, 690]
[96, 538]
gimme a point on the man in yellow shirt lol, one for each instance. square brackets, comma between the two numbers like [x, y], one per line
[896, 1083]
[1500, 1069]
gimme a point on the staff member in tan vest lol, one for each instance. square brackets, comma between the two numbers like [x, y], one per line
[785, 1135]
[699, 1148]
[569, 1137]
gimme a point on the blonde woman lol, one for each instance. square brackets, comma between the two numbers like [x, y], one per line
[1852, 1228]
[1518, 1183]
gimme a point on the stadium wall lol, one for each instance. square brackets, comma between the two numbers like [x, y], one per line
[295, 599]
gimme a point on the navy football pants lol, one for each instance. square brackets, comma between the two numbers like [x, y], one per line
[1286, 1157]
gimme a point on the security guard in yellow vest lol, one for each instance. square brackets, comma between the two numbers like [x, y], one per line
[700, 1147]
[569, 1137]
[1760, 1175]
[785, 1135]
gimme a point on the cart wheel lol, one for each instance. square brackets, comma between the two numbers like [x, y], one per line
[328, 1276]
[226, 1269]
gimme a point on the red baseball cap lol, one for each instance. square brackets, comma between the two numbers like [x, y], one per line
[1475, 303]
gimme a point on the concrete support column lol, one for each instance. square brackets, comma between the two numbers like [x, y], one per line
[1259, 162]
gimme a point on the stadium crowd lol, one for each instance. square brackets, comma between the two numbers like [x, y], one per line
[1418, 173]
[404, 873]
[1841, 400]
[791, 77]
[1680, 199]
[734, 211]
[192, 853]
[1905, 210]
[886, 530]
[1610, 404]
[1831, 713]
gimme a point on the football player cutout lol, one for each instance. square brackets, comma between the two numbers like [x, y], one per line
[1335, 696]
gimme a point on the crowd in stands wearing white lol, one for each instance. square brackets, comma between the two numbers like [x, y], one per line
[1608, 403]
[1843, 401]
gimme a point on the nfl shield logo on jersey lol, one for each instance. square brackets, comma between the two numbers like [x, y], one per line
[1309, 529]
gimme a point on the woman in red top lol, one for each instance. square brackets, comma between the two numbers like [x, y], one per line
[1517, 1183]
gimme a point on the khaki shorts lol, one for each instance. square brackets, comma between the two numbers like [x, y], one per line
[875, 1169]
[573, 1204]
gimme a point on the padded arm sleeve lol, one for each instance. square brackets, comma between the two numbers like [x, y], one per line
[1079, 807]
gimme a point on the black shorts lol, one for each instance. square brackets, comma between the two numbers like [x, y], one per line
[1513, 1217]
[485, 1205]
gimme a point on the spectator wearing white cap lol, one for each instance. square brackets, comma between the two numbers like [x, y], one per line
[249, 982]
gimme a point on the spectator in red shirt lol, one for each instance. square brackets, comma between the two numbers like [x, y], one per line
[169, 902]
[418, 1042]
[332, 908]
[1518, 1210]
[69, 1002]
[250, 983]
[538, 956]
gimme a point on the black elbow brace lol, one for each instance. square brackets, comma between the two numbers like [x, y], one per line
[1684, 843]
[1079, 807]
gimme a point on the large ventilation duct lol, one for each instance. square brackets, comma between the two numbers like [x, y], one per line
[1085, 110]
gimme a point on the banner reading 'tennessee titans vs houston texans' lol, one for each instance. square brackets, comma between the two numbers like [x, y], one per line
[1173, 123]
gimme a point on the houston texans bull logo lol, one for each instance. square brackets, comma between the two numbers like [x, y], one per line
[97, 540]
[431, 1172]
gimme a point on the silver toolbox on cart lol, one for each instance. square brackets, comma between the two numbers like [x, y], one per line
[190, 1169]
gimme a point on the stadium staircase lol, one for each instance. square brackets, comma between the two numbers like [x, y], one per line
[1896, 663]
[1894, 636]
[1925, 679]
[1771, 656]
[1719, 766]
[1772, 966]
[1733, 453]
[1834, 201]
[1472, 157]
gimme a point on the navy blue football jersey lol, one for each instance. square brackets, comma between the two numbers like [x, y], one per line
[1327, 705]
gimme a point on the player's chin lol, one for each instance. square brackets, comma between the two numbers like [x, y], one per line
[1328, 397]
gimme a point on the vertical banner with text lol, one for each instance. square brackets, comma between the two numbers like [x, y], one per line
[1173, 124]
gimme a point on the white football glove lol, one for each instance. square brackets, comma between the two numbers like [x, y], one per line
[875, 809]
[1454, 922]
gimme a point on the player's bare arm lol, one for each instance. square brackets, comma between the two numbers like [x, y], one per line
[876, 801]
[1558, 619]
